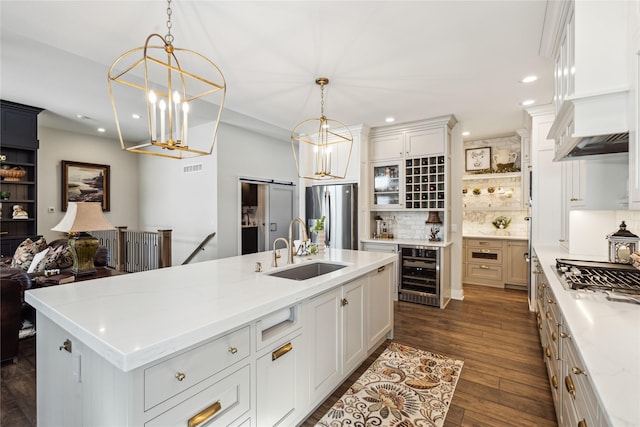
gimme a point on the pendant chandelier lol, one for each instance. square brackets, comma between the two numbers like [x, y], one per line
[177, 88]
[324, 145]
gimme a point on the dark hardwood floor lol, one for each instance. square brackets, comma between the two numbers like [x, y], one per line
[503, 381]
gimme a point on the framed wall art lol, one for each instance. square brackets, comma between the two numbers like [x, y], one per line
[478, 159]
[85, 182]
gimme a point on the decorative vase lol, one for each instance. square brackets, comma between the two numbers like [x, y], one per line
[321, 242]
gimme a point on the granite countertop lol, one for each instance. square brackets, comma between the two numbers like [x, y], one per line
[137, 318]
[607, 335]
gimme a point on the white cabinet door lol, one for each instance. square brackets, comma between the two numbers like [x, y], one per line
[325, 341]
[277, 383]
[353, 338]
[599, 183]
[387, 185]
[379, 304]
[424, 143]
[634, 104]
[385, 147]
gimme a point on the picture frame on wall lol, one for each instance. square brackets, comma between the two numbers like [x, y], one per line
[477, 159]
[85, 182]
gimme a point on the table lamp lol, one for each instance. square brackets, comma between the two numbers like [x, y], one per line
[77, 222]
[434, 220]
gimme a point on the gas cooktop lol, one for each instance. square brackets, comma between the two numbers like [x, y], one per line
[619, 281]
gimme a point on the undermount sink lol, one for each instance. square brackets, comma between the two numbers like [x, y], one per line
[307, 271]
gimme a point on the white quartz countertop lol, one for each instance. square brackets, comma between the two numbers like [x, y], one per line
[607, 335]
[135, 319]
[494, 236]
[414, 242]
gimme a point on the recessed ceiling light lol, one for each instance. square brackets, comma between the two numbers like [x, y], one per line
[529, 79]
[101, 130]
[466, 133]
[528, 102]
[389, 120]
[135, 116]
[80, 116]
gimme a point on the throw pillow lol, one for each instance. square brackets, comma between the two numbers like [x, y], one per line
[24, 254]
[60, 257]
[36, 259]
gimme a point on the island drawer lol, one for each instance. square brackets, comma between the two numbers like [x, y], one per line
[483, 272]
[484, 255]
[177, 374]
[217, 405]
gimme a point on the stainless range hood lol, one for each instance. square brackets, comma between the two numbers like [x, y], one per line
[591, 126]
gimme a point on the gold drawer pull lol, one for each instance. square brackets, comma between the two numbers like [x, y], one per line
[547, 351]
[344, 302]
[381, 269]
[565, 335]
[549, 315]
[483, 243]
[485, 251]
[554, 381]
[180, 376]
[554, 336]
[568, 383]
[281, 351]
[577, 371]
[484, 267]
[233, 350]
[582, 423]
[204, 415]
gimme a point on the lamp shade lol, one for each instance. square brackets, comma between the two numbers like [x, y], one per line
[434, 218]
[84, 216]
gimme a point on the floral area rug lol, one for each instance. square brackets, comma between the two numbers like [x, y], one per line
[404, 387]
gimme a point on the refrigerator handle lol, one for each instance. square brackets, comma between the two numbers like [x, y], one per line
[329, 219]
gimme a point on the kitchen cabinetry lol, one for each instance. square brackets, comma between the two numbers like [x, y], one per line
[407, 143]
[516, 263]
[387, 247]
[336, 326]
[425, 183]
[599, 184]
[573, 394]
[379, 305]
[495, 262]
[20, 147]
[386, 186]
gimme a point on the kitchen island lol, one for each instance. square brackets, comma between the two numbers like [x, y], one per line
[606, 336]
[213, 340]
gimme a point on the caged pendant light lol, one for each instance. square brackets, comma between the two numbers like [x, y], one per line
[177, 88]
[325, 143]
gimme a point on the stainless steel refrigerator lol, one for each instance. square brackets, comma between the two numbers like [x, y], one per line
[339, 205]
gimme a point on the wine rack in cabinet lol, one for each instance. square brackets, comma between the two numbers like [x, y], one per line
[425, 182]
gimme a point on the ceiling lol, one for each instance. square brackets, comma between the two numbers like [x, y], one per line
[411, 60]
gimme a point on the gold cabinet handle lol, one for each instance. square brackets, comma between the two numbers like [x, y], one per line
[577, 370]
[281, 351]
[344, 302]
[485, 251]
[233, 350]
[547, 351]
[550, 301]
[180, 376]
[484, 267]
[568, 383]
[204, 415]
[554, 381]
[549, 316]
[483, 243]
[381, 269]
[582, 423]
[554, 336]
[565, 335]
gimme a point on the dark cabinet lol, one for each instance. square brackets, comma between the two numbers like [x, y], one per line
[249, 194]
[19, 173]
[249, 240]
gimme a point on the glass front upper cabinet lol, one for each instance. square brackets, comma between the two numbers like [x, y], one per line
[386, 186]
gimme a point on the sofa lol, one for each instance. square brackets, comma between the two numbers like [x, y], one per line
[18, 275]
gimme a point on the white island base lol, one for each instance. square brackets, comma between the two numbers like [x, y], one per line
[213, 343]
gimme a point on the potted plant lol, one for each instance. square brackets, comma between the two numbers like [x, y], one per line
[501, 222]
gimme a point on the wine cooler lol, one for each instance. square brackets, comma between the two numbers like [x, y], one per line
[420, 275]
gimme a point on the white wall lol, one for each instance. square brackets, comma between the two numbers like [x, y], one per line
[57, 145]
[194, 204]
[242, 153]
[455, 219]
